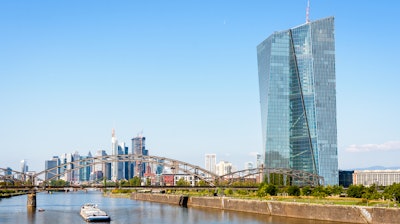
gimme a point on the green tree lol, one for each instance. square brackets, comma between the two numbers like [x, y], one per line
[58, 183]
[319, 191]
[135, 182]
[202, 183]
[355, 191]
[182, 183]
[392, 192]
[267, 189]
[371, 192]
[337, 190]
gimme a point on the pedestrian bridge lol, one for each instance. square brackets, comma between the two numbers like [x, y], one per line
[176, 167]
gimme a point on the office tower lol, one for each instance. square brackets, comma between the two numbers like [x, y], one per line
[24, 169]
[67, 159]
[297, 82]
[52, 163]
[75, 171]
[24, 166]
[114, 151]
[159, 167]
[127, 165]
[210, 162]
[99, 169]
[139, 149]
[121, 170]
[85, 171]
[259, 161]
[138, 145]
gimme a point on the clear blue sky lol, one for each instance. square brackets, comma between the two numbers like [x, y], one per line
[184, 73]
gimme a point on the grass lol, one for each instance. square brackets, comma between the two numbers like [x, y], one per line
[332, 200]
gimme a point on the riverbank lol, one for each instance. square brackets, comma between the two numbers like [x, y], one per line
[336, 213]
[11, 194]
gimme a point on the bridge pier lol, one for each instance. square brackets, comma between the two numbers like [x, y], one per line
[31, 203]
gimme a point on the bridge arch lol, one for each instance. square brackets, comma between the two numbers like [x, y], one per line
[175, 165]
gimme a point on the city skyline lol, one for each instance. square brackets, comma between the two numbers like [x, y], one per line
[185, 74]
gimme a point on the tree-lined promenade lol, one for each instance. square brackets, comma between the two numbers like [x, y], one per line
[373, 195]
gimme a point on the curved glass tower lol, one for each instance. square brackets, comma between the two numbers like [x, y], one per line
[296, 69]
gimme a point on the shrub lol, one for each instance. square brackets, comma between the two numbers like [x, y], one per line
[293, 190]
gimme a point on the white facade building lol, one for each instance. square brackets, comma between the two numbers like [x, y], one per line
[114, 151]
[379, 177]
[188, 178]
[223, 167]
[210, 162]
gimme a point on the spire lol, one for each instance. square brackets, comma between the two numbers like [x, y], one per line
[308, 12]
[113, 133]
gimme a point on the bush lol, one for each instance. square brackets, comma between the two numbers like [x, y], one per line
[319, 191]
[293, 190]
[267, 189]
[228, 191]
[355, 191]
[306, 191]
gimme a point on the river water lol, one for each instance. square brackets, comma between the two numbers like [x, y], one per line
[63, 208]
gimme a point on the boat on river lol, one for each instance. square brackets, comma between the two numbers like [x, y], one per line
[91, 213]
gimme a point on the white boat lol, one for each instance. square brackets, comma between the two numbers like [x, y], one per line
[91, 213]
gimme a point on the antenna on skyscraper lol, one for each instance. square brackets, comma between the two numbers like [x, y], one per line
[308, 12]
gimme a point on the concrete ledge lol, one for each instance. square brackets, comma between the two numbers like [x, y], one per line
[336, 213]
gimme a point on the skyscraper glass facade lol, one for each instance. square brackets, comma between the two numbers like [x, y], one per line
[297, 81]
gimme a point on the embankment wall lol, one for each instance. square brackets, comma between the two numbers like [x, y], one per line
[337, 213]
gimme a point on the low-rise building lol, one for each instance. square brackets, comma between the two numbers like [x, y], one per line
[379, 177]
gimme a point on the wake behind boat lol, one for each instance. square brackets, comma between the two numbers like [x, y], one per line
[91, 213]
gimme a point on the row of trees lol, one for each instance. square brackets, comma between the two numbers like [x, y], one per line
[391, 192]
[266, 189]
[375, 192]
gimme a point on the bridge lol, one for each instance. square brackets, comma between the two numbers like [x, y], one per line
[176, 167]
[35, 181]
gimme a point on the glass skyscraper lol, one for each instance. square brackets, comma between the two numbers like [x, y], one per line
[296, 69]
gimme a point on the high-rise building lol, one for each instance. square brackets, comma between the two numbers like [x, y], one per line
[121, 165]
[24, 166]
[99, 169]
[210, 162]
[127, 165]
[139, 149]
[54, 162]
[24, 169]
[75, 171]
[114, 152]
[296, 69]
[259, 161]
[85, 171]
[67, 169]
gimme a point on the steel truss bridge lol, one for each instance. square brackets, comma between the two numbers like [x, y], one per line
[176, 167]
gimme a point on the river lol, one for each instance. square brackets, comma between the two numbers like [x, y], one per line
[63, 208]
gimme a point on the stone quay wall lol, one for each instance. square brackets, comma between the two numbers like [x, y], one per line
[336, 213]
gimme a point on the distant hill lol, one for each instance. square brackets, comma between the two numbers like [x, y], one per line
[378, 168]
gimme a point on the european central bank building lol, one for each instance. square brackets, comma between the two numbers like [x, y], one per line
[296, 69]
